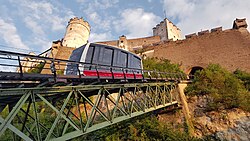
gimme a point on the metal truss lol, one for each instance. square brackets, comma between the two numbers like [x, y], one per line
[63, 113]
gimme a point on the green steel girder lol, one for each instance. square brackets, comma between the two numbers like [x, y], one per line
[81, 110]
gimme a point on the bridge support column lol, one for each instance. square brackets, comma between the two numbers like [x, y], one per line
[185, 109]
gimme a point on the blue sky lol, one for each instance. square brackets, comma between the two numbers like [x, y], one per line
[32, 25]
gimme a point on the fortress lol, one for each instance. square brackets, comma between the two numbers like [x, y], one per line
[165, 31]
[230, 48]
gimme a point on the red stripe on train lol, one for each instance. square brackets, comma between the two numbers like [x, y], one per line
[109, 74]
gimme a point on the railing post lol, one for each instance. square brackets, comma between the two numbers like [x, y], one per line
[53, 69]
[98, 75]
[143, 77]
[79, 70]
[125, 78]
[134, 74]
[20, 67]
[156, 74]
[111, 70]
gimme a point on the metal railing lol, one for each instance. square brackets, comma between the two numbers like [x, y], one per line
[25, 63]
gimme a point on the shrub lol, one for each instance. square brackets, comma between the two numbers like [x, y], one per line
[163, 65]
[149, 128]
[37, 69]
[243, 76]
[224, 88]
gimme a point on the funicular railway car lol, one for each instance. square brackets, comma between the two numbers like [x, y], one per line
[104, 61]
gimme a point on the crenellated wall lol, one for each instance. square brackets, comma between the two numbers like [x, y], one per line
[229, 48]
[132, 44]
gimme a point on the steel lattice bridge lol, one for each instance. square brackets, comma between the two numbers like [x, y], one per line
[59, 107]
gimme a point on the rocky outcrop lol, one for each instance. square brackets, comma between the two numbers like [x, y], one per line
[230, 124]
[225, 124]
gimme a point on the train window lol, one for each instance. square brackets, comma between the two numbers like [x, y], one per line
[107, 56]
[96, 55]
[123, 59]
[72, 68]
[135, 62]
[89, 55]
[76, 54]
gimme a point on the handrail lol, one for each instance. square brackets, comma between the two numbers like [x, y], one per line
[20, 57]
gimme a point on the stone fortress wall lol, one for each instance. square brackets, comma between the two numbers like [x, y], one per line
[230, 48]
[165, 31]
[132, 44]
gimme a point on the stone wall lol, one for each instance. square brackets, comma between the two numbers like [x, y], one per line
[132, 44]
[59, 52]
[229, 48]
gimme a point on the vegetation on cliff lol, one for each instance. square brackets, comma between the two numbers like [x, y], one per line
[162, 65]
[226, 90]
[146, 128]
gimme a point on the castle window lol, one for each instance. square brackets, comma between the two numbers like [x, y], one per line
[70, 29]
[121, 41]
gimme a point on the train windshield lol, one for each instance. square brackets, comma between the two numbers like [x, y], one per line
[72, 68]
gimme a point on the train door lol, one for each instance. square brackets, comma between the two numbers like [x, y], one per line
[105, 60]
[90, 61]
[134, 66]
[120, 63]
[73, 68]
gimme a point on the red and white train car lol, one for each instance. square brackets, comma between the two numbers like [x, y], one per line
[99, 60]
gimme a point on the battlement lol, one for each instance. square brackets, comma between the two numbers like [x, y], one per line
[81, 21]
[190, 35]
[217, 29]
[77, 33]
[239, 23]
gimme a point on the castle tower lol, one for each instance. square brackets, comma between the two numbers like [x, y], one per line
[167, 31]
[77, 33]
[123, 42]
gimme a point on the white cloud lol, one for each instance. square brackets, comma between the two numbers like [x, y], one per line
[136, 22]
[97, 37]
[100, 4]
[48, 15]
[42, 18]
[42, 43]
[196, 15]
[33, 26]
[9, 33]
[96, 13]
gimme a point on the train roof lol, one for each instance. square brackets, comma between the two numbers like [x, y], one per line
[115, 48]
